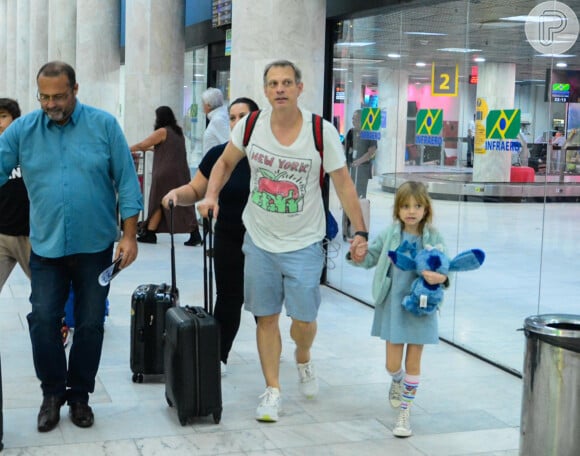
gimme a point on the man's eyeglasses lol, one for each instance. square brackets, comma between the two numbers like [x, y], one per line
[59, 97]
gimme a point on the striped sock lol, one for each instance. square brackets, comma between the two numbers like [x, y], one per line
[410, 385]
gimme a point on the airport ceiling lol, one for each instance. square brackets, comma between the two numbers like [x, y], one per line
[423, 33]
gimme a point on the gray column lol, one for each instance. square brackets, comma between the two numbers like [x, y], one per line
[496, 84]
[62, 30]
[154, 63]
[154, 66]
[393, 100]
[98, 44]
[267, 30]
[11, 49]
[3, 39]
[38, 43]
[22, 55]
[353, 93]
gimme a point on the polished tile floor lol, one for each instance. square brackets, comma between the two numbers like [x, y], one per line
[464, 406]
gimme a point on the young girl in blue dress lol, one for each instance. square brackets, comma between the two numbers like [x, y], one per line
[412, 215]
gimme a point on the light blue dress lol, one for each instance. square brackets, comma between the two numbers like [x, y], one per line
[391, 321]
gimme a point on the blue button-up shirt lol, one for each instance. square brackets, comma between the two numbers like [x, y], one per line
[73, 173]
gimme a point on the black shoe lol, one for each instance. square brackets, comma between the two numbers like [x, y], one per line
[81, 414]
[49, 414]
[149, 237]
[194, 239]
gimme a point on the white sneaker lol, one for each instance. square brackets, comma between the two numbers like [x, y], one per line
[395, 393]
[270, 405]
[403, 425]
[308, 381]
[223, 369]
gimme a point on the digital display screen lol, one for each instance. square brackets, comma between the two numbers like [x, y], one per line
[221, 13]
[563, 86]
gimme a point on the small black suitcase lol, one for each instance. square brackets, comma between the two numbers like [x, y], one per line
[149, 303]
[192, 352]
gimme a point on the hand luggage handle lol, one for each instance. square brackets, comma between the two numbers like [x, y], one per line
[208, 253]
[173, 280]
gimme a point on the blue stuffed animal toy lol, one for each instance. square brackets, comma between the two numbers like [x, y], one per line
[425, 298]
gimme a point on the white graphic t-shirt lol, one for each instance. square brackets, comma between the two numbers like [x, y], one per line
[284, 211]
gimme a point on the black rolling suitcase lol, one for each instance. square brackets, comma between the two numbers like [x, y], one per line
[149, 303]
[192, 351]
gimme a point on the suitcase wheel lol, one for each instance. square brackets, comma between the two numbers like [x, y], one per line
[217, 416]
[137, 378]
[168, 401]
[182, 421]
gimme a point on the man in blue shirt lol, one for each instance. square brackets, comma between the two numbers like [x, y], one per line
[74, 161]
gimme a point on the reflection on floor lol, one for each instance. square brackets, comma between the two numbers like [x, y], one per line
[531, 267]
[464, 406]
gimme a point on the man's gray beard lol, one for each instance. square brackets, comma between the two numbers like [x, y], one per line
[56, 116]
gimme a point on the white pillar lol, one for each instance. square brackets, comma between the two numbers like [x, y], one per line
[62, 30]
[267, 30]
[22, 55]
[154, 65]
[353, 93]
[3, 39]
[393, 100]
[496, 85]
[154, 62]
[98, 44]
[38, 42]
[11, 75]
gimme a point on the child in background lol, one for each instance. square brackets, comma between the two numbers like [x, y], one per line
[412, 215]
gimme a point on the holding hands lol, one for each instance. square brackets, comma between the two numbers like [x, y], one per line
[358, 249]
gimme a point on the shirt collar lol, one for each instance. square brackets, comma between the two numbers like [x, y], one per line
[214, 112]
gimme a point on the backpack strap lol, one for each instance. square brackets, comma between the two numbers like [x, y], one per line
[250, 124]
[318, 142]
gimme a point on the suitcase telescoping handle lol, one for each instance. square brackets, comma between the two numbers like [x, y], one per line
[208, 258]
[173, 280]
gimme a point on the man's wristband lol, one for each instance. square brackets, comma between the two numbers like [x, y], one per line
[364, 234]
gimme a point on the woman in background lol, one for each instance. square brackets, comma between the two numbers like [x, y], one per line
[170, 169]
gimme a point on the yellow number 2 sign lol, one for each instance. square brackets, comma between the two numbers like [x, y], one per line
[444, 81]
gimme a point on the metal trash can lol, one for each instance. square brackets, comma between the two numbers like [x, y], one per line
[550, 420]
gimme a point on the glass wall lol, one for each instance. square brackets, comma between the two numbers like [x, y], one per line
[195, 82]
[481, 101]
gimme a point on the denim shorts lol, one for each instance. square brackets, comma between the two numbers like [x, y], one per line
[292, 278]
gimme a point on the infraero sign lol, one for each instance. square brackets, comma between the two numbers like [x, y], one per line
[429, 127]
[501, 130]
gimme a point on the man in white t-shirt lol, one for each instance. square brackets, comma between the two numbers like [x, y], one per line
[285, 223]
